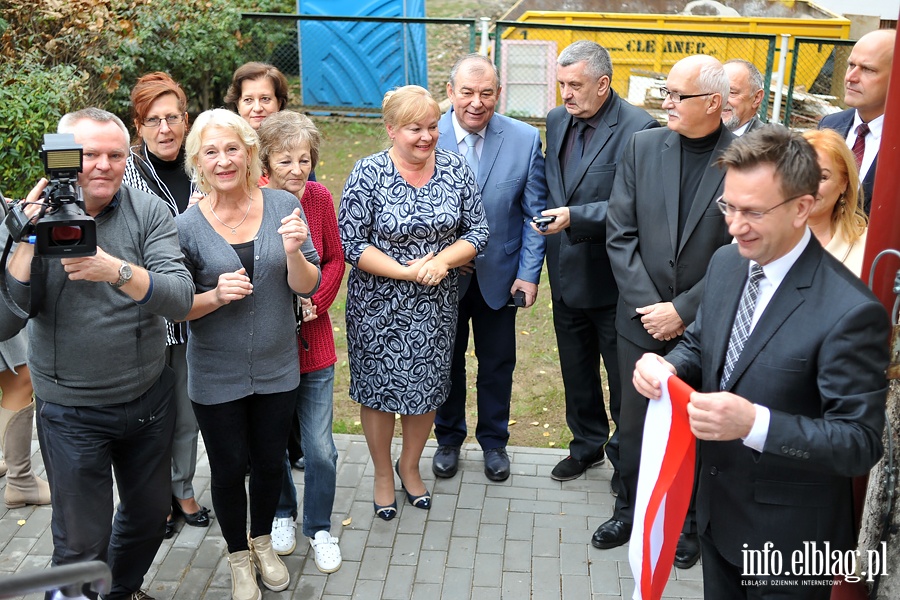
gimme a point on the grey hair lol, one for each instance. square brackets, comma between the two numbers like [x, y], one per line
[595, 57]
[754, 76]
[68, 121]
[476, 58]
[713, 79]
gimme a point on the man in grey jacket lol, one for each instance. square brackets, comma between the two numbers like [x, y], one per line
[97, 359]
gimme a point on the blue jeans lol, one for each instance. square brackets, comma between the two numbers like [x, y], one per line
[315, 408]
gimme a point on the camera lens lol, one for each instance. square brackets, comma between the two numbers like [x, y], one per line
[66, 235]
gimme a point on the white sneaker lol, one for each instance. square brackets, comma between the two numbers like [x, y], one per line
[328, 553]
[284, 537]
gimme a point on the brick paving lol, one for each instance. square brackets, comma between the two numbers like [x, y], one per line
[527, 537]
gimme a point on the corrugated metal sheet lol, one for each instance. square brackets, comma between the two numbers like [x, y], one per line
[352, 64]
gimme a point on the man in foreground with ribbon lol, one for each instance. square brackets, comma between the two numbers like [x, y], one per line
[788, 351]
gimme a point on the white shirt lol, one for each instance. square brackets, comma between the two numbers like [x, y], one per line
[774, 272]
[873, 141]
[461, 134]
[742, 129]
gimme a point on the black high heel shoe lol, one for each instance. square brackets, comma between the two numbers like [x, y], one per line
[423, 501]
[386, 513]
[197, 519]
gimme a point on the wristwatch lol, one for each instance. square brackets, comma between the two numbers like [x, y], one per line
[125, 274]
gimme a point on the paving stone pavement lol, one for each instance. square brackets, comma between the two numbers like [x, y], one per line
[527, 537]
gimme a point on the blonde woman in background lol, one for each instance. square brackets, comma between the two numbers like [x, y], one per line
[837, 219]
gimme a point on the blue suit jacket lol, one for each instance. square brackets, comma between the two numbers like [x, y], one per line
[841, 123]
[513, 189]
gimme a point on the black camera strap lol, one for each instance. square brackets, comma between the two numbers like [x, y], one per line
[37, 284]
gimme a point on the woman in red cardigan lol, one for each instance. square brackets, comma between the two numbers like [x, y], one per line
[289, 149]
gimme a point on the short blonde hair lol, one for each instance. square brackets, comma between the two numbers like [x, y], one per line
[221, 119]
[284, 131]
[847, 216]
[408, 104]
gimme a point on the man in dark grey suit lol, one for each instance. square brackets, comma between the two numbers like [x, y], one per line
[509, 168]
[788, 354]
[585, 139]
[866, 88]
[663, 228]
[745, 94]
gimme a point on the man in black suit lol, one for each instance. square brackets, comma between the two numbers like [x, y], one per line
[866, 87]
[745, 94]
[791, 410]
[585, 138]
[663, 228]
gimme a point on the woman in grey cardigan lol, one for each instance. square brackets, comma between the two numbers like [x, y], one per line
[249, 253]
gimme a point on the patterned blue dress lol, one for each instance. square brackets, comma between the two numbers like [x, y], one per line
[400, 333]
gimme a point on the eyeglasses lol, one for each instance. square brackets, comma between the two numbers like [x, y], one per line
[170, 120]
[729, 211]
[676, 98]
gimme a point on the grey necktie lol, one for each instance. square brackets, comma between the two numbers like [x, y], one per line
[741, 330]
[471, 154]
[577, 153]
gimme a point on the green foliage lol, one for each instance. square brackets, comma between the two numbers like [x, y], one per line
[33, 97]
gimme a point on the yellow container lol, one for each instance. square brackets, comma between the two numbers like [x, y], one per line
[657, 52]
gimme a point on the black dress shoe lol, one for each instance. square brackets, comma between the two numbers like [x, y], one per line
[446, 461]
[197, 519]
[687, 552]
[496, 464]
[170, 528]
[611, 534]
[571, 468]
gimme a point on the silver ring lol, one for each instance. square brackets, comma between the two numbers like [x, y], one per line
[307, 312]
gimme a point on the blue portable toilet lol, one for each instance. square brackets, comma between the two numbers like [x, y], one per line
[351, 64]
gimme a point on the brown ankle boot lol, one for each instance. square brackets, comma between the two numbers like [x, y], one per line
[22, 485]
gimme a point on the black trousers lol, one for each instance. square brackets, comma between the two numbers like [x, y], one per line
[256, 428]
[631, 424]
[584, 336]
[81, 447]
[495, 350]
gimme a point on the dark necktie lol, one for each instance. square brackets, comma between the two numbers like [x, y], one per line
[742, 320]
[859, 147]
[471, 154]
[577, 152]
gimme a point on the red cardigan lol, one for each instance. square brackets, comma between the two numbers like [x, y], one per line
[323, 231]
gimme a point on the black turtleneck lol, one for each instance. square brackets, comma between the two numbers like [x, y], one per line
[172, 174]
[695, 158]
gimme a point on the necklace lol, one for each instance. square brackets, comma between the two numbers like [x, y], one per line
[233, 229]
[424, 171]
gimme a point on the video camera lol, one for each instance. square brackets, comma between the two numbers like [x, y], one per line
[61, 228]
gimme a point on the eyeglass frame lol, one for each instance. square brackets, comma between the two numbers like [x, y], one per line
[168, 120]
[666, 94]
[755, 215]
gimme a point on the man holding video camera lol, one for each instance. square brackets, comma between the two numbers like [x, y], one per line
[97, 359]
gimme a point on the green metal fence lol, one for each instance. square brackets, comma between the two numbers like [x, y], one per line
[446, 40]
[828, 80]
[526, 54]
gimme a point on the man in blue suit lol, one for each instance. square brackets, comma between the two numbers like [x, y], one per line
[509, 167]
[866, 87]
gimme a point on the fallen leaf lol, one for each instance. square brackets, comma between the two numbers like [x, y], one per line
[338, 329]
[546, 425]
[542, 372]
[535, 423]
[544, 409]
[552, 444]
[357, 423]
[512, 422]
[347, 521]
[21, 522]
[525, 333]
[546, 434]
[397, 417]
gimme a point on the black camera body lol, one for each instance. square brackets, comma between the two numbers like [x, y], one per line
[61, 228]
